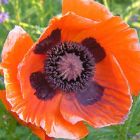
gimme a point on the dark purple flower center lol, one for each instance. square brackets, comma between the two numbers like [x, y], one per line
[69, 66]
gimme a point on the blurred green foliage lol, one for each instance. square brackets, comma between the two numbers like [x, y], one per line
[33, 16]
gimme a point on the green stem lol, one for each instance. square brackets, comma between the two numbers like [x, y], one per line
[26, 25]
[17, 11]
[123, 131]
[131, 116]
[106, 3]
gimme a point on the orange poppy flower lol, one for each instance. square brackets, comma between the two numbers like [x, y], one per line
[82, 68]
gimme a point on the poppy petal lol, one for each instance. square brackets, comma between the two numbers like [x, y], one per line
[30, 64]
[76, 131]
[11, 56]
[105, 111]
[78, 24]
[13, 51]
[17, 44]
[131, 66]
[122, 41]
[113, 34]
[94, 10]
[119, 38]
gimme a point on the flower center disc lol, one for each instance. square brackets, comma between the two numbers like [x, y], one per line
[69, 66]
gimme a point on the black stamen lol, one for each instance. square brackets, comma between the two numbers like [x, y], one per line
[95, 48]
[43, 46]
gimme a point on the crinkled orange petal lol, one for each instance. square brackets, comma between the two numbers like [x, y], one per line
[113, 34]
[17, 44]
[21, 41]
[122, 41]
[76, 131]
[31, 63]
[86, 8]
[114, 105]
[130, 64]
[69, 31]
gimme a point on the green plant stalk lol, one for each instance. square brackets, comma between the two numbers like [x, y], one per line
[26, 25]
[106, 3]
